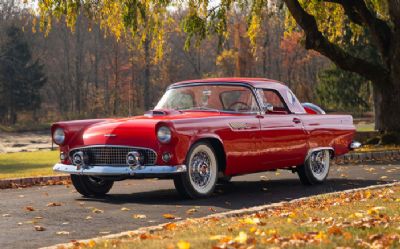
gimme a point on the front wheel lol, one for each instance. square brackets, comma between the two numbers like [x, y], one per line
[91, 186]
[315, 169]
[202, 171]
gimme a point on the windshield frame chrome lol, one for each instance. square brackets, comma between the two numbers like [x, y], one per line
[244, 84]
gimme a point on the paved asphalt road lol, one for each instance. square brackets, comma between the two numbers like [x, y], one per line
[153, 198]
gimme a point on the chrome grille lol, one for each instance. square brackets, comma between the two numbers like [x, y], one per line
[114, 155]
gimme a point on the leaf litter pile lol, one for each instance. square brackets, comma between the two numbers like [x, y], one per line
[362, 219]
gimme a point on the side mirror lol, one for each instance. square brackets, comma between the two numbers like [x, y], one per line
[268, 107]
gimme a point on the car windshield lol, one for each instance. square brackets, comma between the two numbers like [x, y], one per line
[228, 98]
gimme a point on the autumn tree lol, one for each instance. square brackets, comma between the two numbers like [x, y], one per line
[323, 21]
[115, 71]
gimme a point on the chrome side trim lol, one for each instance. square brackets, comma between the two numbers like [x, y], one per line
[310, 151]
[109, 170]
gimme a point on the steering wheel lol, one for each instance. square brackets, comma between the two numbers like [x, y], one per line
[236, 106]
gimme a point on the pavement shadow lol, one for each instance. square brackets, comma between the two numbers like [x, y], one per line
[240, 194]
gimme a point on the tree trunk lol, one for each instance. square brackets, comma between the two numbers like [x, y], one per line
[146, 82]
[387, 106]
[388, 93]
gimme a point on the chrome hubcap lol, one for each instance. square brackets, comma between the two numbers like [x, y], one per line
[319, 163]
[200, 169]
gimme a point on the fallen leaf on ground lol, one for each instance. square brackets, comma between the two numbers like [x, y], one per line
[191, 211]
[375, 237]
[125, 209]
[220, 237]
[88, 217]
[170, 226]
[40, 228]
[251, 221]
[29, 208]
[320, 236]
[62, 233]
[334, 230]
[97, 211]
[169, 216]
[6, 215]
[183, 245]
[241, 238]
[53, 204]
[375, 210]
[92, 243]
[139, 216]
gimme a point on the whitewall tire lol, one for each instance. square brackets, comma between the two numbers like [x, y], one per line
[202, 172]
[316, 168]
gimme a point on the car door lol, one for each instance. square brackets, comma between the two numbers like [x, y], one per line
[283, 140]
[242, 129]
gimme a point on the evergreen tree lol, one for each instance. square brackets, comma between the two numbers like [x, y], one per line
[21, 77]
[341, 90]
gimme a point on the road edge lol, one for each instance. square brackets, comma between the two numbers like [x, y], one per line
[33, 181]
[227, 214]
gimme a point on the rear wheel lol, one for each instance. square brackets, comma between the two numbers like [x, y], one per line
[201, 176]
[91, 186]
[316, 168]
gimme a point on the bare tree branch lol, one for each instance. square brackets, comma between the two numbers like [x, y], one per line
[316, 41]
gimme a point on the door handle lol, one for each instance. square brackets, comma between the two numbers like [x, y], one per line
[296, 120]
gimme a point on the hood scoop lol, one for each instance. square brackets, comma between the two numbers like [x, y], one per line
[154, 113]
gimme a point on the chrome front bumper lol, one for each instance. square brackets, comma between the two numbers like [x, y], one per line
[119, 171]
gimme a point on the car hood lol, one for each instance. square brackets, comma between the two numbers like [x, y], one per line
[137, 132]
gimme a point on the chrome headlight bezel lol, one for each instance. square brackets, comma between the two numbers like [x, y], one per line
[164, 134]
[59, 136]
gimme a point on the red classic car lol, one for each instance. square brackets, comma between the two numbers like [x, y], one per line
[202, 132]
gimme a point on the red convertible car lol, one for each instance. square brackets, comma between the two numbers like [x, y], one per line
[202, 132]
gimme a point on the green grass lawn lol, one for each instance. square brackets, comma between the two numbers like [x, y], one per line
[363, 127]
[27, 164]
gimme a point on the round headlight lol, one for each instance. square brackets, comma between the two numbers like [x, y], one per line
[164, 134]
[59, 136]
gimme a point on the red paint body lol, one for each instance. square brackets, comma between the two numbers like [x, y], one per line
[269, 141]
